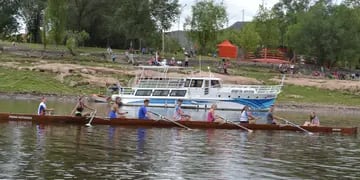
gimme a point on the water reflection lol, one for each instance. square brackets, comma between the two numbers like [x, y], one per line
[141, 134]
[66, 151]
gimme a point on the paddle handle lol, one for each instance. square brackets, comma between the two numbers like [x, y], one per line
[163, 117]
[293, 124]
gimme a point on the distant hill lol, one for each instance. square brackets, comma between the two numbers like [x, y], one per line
[238, 25]
[182, 38]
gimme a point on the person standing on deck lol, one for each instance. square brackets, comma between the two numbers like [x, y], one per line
[115, 109]
[179, 113]
[42, 107]
[270, 119]
[143, 113]
[246, 115]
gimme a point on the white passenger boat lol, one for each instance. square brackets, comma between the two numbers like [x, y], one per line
[196, 92]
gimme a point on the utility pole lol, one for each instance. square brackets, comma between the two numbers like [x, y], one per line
[243, 15]
[163, 41]
[179, 19]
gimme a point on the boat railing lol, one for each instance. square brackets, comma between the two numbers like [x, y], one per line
[127, 91]
[258, 89]
[160, 83]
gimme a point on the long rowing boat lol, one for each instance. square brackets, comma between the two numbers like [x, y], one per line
[8, 117]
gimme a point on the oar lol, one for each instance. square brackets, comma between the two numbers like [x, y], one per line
[293, 124]
[91, 119]
[73, 111]
[238, 125]
[163, 117]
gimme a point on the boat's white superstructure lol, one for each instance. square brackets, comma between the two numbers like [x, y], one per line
[199, 92]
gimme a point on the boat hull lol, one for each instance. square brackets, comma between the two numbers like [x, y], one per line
[199, 103]
[6, 117]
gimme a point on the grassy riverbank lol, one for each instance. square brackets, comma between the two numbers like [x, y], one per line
[22, 81]
[299, 94]
[17, 76]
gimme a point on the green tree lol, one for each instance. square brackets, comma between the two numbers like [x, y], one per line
[285, 14]
[32, 11]
[164, 12]
[266, 27]
[56, 18]
[136, 23]
[322, 33]
[8, 22]
[205, 22]
[249, 39]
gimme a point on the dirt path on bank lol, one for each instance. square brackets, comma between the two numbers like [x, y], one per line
[104, 76]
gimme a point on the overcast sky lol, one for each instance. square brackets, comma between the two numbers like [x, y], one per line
[234, 9]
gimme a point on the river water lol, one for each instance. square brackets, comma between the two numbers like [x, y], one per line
[30, 151]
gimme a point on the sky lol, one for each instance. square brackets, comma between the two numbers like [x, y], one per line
[234, 9]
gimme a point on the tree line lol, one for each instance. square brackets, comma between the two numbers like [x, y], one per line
[323, 31]
[119, 23]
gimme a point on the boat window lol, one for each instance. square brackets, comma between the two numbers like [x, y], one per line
[161, 92]
[215, 83]
[196, 83]
[236, 91]
[249, 91]
[143, 92]
[178, 93]
[187, 82]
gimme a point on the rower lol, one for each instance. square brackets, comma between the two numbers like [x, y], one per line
[246, 115]
[115, 109]
[179, 113]
[42, 107]
[212, 117]
[270, 119]
[80, 107]
[143, 113]
[314, 120]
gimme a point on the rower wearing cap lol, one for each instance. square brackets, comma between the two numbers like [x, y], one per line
[143, 113]
[179, 113]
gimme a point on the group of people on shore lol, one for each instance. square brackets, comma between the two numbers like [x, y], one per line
[246, 116]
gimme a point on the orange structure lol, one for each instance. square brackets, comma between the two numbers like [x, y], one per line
[227, 50]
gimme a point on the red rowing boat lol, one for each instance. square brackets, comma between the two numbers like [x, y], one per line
[7, 117]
